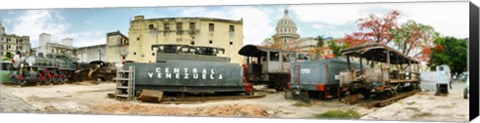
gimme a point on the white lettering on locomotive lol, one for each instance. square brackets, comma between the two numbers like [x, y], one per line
[186, 75]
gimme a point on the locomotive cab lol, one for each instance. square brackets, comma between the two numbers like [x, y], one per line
[268, 66]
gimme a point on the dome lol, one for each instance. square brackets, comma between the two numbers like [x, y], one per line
[286, 28]
[286, 21]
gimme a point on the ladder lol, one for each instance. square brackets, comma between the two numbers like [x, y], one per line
[125, 80]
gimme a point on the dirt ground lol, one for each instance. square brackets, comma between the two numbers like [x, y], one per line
[87, 98]
[424, 106]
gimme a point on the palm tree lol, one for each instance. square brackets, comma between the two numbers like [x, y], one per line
[320, 40]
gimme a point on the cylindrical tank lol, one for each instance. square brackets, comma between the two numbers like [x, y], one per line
[317, 74]
[189, 76]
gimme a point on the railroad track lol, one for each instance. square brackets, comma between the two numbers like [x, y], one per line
[388, 101]
[208, 98]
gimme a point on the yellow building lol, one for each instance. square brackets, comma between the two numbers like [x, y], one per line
[11, 43]
[194, 31]
[117, 45]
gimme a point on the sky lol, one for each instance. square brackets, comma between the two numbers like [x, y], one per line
[89, 26]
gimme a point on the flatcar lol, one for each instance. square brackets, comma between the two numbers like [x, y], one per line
[189, 69]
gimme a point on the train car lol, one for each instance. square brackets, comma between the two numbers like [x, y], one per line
[269, 66]
[335, 77]
[317, 78]
[189, 69]
[396, 72]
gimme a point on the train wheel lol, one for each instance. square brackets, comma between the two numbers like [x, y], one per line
[288, 94]
[304, 96]
[49, 80]
[38, 80]
[56, 79]
[365, 93]
[23, 83]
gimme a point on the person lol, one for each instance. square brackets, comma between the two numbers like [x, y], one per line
[451, 81]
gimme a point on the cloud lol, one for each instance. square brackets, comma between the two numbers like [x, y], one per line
[34, 22]
[448, 18]
[257, 22]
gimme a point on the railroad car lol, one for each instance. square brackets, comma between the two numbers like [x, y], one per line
[386, 73]
[189, 69]
[395, 71]
[317, 78]
[6, 66]
[269, 66]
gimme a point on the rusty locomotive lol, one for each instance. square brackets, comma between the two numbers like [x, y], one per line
[384, 76]
[189, 69]
[270, 66]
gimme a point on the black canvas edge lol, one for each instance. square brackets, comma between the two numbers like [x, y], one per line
[473, 57]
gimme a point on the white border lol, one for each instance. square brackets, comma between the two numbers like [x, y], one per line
[75, 118]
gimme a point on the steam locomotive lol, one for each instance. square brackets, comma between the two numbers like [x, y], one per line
[40, 69]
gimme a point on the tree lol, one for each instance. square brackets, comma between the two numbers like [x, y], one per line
[452, 52]
[374, 29]
[8, 57]
[337, 47]
[415, 39]
[320, 40]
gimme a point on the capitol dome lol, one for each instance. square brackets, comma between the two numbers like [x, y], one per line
[286, 28]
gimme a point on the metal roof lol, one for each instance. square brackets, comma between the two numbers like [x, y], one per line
[378, 52]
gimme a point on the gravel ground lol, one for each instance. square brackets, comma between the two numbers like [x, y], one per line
[10, 103]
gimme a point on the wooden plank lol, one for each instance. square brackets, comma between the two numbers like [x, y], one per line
[151, 95]
[401, 81]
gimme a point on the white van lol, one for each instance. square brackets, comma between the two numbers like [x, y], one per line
[443, 78]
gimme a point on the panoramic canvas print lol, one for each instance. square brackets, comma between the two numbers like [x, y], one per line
[372, 61]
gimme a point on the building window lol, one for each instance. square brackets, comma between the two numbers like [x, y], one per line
[21, 47]
[231, 42]
[153, 54]
[138, 38]
[192, 43]
[166, 26]
[210, 41]
[134, 53]
[151, 27]
[232, 28]
[211, 27]
[192, 26]
[179, 26]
